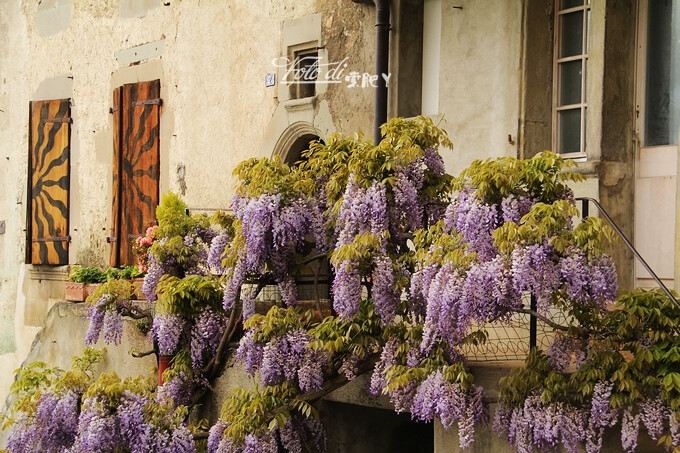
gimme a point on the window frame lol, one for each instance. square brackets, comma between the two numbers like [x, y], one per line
[582, 106]
[296, 55]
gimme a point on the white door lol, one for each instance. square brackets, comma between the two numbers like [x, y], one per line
[658, 119]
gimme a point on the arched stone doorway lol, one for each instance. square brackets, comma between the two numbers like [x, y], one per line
[294, 140]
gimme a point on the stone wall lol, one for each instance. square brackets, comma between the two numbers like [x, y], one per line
[211, 57]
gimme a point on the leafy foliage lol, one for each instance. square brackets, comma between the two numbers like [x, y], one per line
[80, 274]
[123, 272]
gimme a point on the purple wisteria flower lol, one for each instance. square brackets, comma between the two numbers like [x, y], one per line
[250, 351]
[206, 334]
[630, 428]
[167, 329]
[601, 413]
[407, 203]
[565, 350]
[588, 280]
[284, 356]
[387, 359]
[434, 161]
[515, 207]
[311, 373]
[217, 246]
[475, 221]
[540, 426]
[96, 314]
[151, 279]
[346, 290]
[385, 296]
[536, 268]
[113, 327]
[654, 413]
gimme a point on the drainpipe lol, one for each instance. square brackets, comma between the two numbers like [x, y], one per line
[382, 35]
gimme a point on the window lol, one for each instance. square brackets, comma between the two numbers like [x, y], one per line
[661, 73]
[572, 20]
[304, 73]
[49, 182]
[136, 165]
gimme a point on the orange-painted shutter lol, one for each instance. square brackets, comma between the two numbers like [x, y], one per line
[49, 173]
[136, 165]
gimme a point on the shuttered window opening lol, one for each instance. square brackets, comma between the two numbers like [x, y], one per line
[136, 165]
[48, 182]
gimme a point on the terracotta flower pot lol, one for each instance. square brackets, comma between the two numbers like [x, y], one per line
[78, 292]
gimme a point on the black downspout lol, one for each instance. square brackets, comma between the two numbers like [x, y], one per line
[382, 34]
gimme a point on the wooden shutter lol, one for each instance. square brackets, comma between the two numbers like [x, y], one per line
[115, 215]
[136, 165]
[49, 173]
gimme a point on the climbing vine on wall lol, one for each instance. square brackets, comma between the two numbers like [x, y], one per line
[421, 262]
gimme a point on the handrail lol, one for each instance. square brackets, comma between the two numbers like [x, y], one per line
[597, 204]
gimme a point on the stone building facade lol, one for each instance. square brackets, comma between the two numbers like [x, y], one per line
[596, 80]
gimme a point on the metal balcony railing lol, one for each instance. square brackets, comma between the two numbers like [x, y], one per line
[584, 213]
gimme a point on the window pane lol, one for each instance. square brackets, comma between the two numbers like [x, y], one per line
[305, 75]
[571, 3]
[569, 124]
[588, 35]
[570, 82]
[572, 34]
[662, 101]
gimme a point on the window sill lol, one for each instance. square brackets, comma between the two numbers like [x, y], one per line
[576, 157]
[296, 105]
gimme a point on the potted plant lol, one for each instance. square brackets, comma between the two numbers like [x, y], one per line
[133, 273]
[82, 281]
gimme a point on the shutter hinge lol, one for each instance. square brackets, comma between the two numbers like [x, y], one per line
[113, 109]
[53, 239]
[157, 101]
[134, 236]
[111, 239]
[59, 120]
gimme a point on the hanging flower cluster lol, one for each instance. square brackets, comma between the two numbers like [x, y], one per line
[571, 394]
[108, 304]
[73, 412]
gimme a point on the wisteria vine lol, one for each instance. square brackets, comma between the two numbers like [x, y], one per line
[421, 262]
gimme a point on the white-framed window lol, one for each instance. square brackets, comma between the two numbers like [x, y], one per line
[571, 43]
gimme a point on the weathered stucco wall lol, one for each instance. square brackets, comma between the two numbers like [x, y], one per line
[15, 339]
[211, 58]
[479, 97]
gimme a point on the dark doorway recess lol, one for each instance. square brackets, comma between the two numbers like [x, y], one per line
[361, 429]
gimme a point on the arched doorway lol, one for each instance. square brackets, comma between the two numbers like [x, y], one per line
[294, 140]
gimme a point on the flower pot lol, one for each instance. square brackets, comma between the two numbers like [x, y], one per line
[78, 292]
[163, 364]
